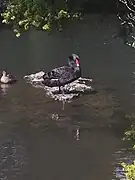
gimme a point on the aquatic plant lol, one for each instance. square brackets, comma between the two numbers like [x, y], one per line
[129, 170]
[43, 15]
[130, 133]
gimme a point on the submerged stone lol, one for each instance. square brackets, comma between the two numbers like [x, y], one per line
[71, 90]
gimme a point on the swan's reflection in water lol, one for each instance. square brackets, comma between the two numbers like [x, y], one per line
[63, 105]
[64, 123]
[4, 88]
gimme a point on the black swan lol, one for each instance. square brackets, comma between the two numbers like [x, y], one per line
[65, 74]
[7, 78]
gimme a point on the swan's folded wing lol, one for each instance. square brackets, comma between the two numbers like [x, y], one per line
[67, 77]
[57, 72]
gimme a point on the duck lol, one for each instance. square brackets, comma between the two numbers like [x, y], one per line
[63, 75]
[7, 78]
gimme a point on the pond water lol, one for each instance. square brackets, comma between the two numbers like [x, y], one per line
[37, 138]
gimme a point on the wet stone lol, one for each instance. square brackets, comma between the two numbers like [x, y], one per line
[71, 90]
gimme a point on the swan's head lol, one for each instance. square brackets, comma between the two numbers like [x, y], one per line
[74, 60]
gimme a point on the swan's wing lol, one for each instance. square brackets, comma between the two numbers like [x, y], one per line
[57, 72]
[67, 77]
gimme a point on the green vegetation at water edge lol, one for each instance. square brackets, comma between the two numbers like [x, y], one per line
[130, 133]
[129, 169]
[40, 14]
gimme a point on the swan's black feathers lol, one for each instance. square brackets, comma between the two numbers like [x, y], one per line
[63, 75]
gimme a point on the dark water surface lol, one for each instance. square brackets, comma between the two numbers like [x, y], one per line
[37, 138]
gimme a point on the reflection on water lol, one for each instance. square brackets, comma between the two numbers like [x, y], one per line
[62, 121]
[4, 88]
[40, 140]
[70, 143]
[12, 160]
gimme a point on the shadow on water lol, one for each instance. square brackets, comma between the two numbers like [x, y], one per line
[38, 140]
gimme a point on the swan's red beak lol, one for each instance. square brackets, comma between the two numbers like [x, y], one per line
[77, 62]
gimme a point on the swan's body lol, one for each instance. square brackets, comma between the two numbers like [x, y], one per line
[65, 74]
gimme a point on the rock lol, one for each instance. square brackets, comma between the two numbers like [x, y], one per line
[72, 90]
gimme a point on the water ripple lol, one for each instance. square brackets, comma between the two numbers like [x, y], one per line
[12, 160]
